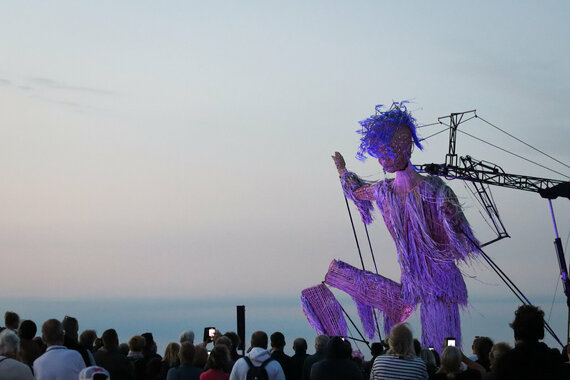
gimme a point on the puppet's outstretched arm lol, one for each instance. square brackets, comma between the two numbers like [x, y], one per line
[355, 189]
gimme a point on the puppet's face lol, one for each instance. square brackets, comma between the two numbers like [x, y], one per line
[396, 154]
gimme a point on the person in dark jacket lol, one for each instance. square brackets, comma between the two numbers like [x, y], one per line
[338, 364]
[109, 357]
[71, 339]
[530, 359]
[277, 345]
[300, 348]
[321, 342]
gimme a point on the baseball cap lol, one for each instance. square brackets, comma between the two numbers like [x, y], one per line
[94, 373]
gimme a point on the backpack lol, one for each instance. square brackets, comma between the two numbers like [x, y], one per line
[257, 373]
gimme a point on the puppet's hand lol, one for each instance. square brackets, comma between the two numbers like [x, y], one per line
[339, 163]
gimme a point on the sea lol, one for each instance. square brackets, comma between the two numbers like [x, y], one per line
[166, 318]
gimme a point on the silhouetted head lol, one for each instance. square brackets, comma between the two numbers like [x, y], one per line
[321, 342]
[277, 341]
[259, 339]
[186, 353]
[136, 343]
[70, 327]
[187, 336]
[110, 339]
[150, 344]
[87, 338]
[300, 346]
[235, 339]
[528, 324]
[27, 330]
[450, 360]
[417, 347]
[497, 351]
[11, 320]
[52, 332]
[338, 349]
[171, 354]
[200, 357]
[219, 357]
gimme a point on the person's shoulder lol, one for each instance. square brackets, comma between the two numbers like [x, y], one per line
[16, 369]
[71, 354]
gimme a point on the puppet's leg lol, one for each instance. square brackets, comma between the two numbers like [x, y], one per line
[323, 311]
[370, 289]
[440, 320]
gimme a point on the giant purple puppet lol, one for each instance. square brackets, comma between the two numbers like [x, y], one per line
[426, 222]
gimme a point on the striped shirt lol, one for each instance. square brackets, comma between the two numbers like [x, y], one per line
[388, 367]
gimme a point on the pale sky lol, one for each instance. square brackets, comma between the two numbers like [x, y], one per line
[174, 149]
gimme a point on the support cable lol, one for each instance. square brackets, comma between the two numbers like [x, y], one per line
[429, 125]
[354, 231]
[514, 154]
[353, 324]
[360, 255]
[435, 134]
[511, 285]
[521, 141]
[376, 269]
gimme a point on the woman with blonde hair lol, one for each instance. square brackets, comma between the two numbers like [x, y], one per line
[454, 366]
[170, 358]
[400, 362]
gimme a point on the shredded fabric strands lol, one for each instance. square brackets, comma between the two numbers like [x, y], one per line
[366, 314]
[323, 311]
[429, 230]
[370, 289]
[378, 130]
[350, 183]
[439, 321]
[426, 225]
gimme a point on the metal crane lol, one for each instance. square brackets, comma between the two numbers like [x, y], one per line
[481, 173]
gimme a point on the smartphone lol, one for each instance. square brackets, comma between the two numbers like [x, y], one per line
[449, 342]
[209, 334]
[430, 348]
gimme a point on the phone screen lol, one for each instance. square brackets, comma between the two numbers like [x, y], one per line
[209, 333]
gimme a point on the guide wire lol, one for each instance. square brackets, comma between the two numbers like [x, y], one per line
[514, 154]
[523, 142]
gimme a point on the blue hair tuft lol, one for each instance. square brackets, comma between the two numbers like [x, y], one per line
[378, 129]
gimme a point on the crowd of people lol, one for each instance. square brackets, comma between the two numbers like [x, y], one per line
[61, 353]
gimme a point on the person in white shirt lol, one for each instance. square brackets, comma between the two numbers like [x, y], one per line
[10, 368]
[58, 362]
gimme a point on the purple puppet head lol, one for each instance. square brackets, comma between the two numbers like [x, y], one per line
[377, 131]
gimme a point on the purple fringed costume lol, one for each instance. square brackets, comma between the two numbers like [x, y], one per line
[429, 228]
